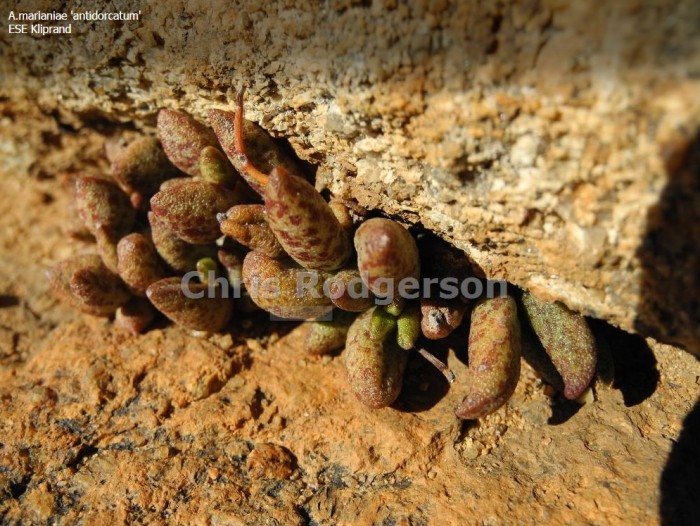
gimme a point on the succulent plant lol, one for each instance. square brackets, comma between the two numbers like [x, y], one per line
[103, 206]
[304, 224]
[138, 263]
[179, 255]
[292, 256]
[325, 337]
[141, 166]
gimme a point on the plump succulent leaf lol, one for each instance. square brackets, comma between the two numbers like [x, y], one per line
[183, 139]
[84, 283]
[252, 151]
[135, 316]
[209, 311]
[142, 166]
[179, 255]
[189, 209]
[216, 168]
[494, 357]
[278, 286]
[568, 341]
[386, 255]
[348, 292]
[374, 367]
[103, 206]
[138, 263]
[304, 224]
[247, 224]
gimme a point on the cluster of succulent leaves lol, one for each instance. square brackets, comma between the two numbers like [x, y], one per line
[226, 202]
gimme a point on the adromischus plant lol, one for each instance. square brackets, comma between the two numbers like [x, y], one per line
[190, 202]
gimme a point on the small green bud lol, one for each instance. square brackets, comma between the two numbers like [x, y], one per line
[208, 270]
[325, 337]
[247, 224]
[382, 324]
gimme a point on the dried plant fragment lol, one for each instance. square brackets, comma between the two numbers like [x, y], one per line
[87, 285]
[142, 166]
[325, 337]
[138, 263]
[375, 368]
[494, 357]
[304, 224]
[568, 341]
[180, 255]
[189, 209]
[205, 310]
[441, 316]
[183, 139]
[102, 205]
[283, 288]
[247, 225]
[386, 255]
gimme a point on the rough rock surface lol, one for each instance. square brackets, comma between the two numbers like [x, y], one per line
[556, 142]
